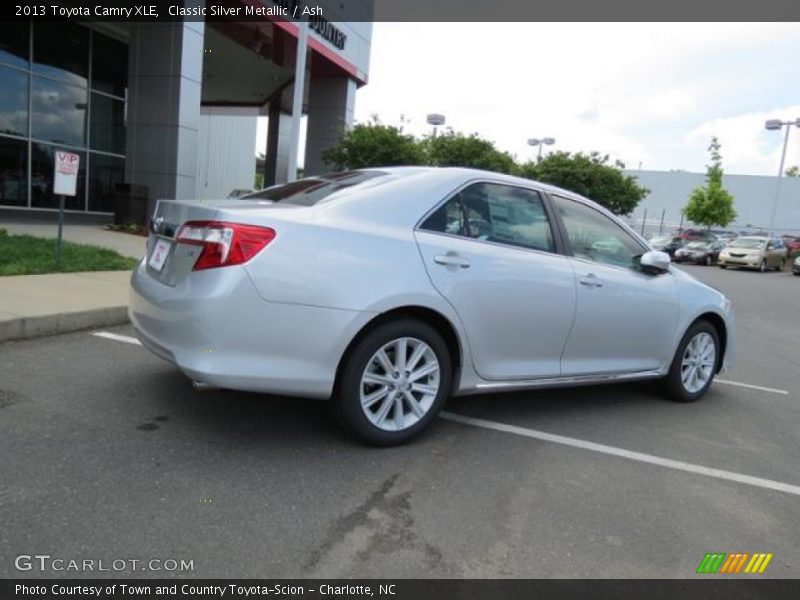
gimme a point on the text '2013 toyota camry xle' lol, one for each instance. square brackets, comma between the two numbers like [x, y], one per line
[386, 291]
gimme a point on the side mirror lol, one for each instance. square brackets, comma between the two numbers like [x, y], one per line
[655, 262]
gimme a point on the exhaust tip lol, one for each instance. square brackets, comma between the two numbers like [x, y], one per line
[202, 387]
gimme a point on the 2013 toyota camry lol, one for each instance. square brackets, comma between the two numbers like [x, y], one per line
[389, 290]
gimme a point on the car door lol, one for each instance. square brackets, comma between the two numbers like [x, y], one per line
[777, 252]
[490, 251]
[624, 318]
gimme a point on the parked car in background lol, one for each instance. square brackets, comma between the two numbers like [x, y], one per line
[667, 243]
[754, 252]
[375, 290]
[727, 238]
[699, 253]
[792, 243]
[697, 235]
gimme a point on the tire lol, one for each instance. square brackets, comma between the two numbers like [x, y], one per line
[708, 260]
[674, 385]
[392, 419]
[781, 266]
[723, 266]
[763, 266]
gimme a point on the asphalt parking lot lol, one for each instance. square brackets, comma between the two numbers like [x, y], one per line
[108, 452]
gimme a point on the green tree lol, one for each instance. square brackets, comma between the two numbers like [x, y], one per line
[592, 175]
[793, 171]
[452, 149]
[373, 144]
[711, 204]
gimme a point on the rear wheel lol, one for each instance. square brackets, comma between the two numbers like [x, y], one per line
[394, 382]
[781, 265]
[708, 260]
[695, 363]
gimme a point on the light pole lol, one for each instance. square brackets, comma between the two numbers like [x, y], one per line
[541, 142]
[435, 120]
[776, 125]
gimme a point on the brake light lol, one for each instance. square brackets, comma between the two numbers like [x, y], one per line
[224, 244]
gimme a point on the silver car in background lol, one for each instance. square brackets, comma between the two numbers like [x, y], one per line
[387, 291]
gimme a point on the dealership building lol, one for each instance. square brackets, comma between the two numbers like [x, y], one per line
[169, 109]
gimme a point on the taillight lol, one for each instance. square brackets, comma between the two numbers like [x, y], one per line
[224, 244]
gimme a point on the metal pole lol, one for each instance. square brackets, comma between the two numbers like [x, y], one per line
[780, 179]
[60, 229]
[644, 220]
[297, 99]
[539, 155]
[661, 225]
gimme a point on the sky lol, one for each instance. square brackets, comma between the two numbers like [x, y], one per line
[647, 94]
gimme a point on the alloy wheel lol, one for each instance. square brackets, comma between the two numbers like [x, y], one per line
[697, 365]
[400, 384]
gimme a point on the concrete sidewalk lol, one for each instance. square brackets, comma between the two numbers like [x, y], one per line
[36, 305]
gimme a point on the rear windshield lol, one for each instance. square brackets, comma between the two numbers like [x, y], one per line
[747, 243]
[307, 192]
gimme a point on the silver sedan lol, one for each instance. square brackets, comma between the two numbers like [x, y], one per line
[386, 291]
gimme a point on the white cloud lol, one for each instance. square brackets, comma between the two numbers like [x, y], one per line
[633, 90]
[747, 147]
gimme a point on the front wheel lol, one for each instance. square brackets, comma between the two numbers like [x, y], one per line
[763, 266]
[394, 382]
[708, 260]
[695, 363]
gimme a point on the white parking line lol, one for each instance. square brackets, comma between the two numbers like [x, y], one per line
[119, 338]
[594, 447]
[750, 386]
[622, 453]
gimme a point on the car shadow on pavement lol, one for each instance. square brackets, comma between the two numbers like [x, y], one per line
[238, 415]
[269, 419]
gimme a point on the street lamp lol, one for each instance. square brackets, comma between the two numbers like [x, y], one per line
[541, 142]
[776, 125]
[435, 120]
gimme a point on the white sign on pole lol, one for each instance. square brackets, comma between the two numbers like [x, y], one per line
[66, 175]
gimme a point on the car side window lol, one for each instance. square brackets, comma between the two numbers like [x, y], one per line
[495, 213]
[593, 236]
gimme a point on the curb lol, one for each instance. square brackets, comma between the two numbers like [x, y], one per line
[33, 327]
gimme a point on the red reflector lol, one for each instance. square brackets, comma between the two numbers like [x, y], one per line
[224, 244]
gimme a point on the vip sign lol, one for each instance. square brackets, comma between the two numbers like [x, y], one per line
[66, 175]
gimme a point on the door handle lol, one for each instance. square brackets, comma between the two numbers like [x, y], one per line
[590, 280]
[451, 259]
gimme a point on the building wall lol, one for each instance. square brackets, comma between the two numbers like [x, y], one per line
[225, 152]
[165, 78]
[753, 199]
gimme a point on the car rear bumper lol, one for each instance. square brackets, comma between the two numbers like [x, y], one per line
[217, 329]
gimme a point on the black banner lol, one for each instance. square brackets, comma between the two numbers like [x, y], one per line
[707, 588]
[403, 10]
